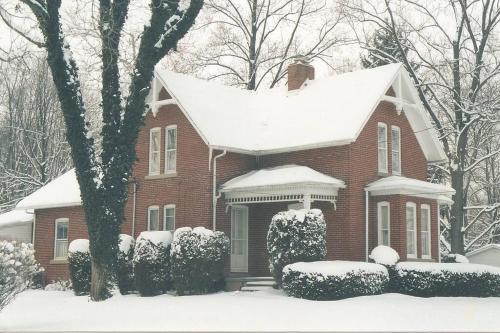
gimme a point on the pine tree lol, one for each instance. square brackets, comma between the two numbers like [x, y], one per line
[104, 179]
[383, 49]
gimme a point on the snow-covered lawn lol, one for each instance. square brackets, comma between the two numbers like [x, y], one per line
[250, 311]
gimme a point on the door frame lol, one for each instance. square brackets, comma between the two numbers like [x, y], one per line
[245, 268]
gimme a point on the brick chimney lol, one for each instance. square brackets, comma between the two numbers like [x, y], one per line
[298, 72]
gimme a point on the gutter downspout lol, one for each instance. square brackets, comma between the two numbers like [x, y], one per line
[367, 211]
[133, 210]
[214, 191]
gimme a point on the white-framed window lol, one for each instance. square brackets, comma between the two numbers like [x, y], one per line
[411, 230]
[153, 218]
[382, 148]
[384, 223]
[61, 238]
[425, 230]
[169, 217]
[396, 150]
[154, 151]
[170, 148]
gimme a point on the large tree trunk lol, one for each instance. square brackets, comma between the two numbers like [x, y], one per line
[457, 213]
[99, 284]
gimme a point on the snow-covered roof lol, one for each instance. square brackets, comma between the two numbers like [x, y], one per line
[324, 112]
[63, 191]
[15, 217]
[489, 247]
[409, 186]
[282, 175]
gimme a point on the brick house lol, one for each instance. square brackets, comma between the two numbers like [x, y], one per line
[354, 145]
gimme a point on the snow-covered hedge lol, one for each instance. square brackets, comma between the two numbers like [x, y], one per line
[447, 279]
[197, 258]
[332, 280]
[79, 266]
[17, 268]
[293, 236]
[125, 265]
[152, 262]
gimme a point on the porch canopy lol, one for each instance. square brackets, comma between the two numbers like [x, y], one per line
[281, 184]
[407, 186]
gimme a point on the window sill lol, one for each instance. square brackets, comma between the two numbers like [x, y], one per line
[58, 261]
[162, 176]
[383, 174]
[420, 259]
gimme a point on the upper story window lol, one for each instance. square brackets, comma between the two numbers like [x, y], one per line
[382, 148]
[153, 218]
[154, 151]
[425, 230]
[61, 238]
[171, 148]
[396, 150]
[169, 218]
[384, 223]
[411, 230]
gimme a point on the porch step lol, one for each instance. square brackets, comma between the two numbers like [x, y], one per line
[247, 283]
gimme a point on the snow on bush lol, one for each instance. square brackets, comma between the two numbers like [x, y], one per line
[125, 265]
[332, 280]
[152, 262]
[17, 268]
[384, 255]
[79, 266]
[197, 258]
[455, 258]
[447, 279]
[293, 236]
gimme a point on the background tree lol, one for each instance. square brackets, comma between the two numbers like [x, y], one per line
[33, 148]
[455, 44]
[249, 43]
[382, 48]
[103, 174]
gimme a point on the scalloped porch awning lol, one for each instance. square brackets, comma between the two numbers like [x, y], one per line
[281, 184]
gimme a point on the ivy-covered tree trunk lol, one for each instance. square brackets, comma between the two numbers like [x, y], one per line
[103, 180]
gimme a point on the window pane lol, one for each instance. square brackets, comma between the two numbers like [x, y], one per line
[172, 138]
[410, 230]
[385, 217]
[385, 237]
[155, 141]
[396, 150]
[425, 244]
[382, 137]
[62, 230]
[169, 218]
[382, 159]
[61, 249]
[171, 159]
[153, 219]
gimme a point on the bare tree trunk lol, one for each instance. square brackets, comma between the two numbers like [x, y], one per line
[457, 213]
[99, 280]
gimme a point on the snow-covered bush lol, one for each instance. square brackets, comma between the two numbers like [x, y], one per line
[152, 262]
[125, 265]
[197, 258]
[332, 280]
[293, 236]
[433, 279]
[17, 268]
[455, 258]
[384, 255]
[79, 266]
[60, 285]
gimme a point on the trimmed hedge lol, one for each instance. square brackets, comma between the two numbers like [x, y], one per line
[125, 265]
[333, 280]
[79, 266]
[293, 236]
[197, 258]
[152, 262]
[448, 279]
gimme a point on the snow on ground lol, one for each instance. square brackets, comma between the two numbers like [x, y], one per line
[269, 310]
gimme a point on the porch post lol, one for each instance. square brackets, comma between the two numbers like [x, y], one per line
[307, 201]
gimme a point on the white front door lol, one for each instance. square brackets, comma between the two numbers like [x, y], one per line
[239, 239]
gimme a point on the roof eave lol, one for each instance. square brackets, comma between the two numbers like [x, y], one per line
[48, 206]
